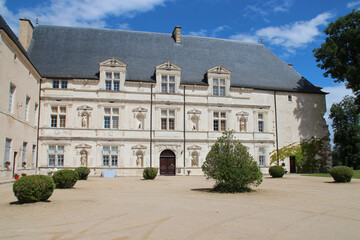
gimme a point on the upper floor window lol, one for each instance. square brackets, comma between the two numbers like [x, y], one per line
[262, 156]
[56, 156]
[7, 151]
[111, 118]
[58, 117]
[27, 103]
[23, 158]
[11, 96]
[112, 81]
[219, 87]
[167, 84]
[60, 84]
[289, 98]
[168, 119]
[110, 156]
[219, 121]
[261, 122]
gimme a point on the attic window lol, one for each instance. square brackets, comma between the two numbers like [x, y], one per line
[219, 87]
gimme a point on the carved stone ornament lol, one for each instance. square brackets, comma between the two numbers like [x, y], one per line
[84, 108]
[140, 109]
[168, 66]
[194, 147]
[113, 62]
[83, 146]
[242, 114]
[139, 146]
[219, 70]
[194, 111]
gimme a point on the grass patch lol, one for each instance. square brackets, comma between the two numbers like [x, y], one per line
[356, 174]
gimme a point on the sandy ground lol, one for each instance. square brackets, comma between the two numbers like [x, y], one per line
[294, 207]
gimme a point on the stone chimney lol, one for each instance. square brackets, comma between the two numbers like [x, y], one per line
[290, 65]
[176, 34]
[25, 32]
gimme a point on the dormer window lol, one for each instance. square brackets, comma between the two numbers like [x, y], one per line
[167, 84]
[112, 74]
[112, 81]
[219, 87]
[167, 77]
[219, 81]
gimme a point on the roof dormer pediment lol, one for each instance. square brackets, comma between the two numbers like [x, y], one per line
[112, 62]
[169, 66]
[219, 70]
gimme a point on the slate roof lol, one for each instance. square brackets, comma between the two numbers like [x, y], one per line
[73, 52]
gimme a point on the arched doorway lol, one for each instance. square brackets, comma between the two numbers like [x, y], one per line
[167, 163]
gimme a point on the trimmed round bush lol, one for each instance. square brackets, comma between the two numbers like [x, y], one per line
[83, 172]
[65, 178]
[341, 174]
[276, 171]
[150, 173]
[33, 188]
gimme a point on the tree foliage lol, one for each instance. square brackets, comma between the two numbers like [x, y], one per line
[231, 165]
[346, 132]
[339, 55]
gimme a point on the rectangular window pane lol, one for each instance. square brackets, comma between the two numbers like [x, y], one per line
[60, 160]
[107, 111]
[27, 102]
[108, 85]
[54, 109]
[55, 84]
[64, 84]
[171, 88]
[106, 150]
[163, 124]
[115, 111]
[172, 113]
[215, 91]
[223, 125]
[261, 126]
[164, 78]
[216, 125]
[216, 114]
[54, 121]
[11, 96]
[171, 124]
[108, 75]
[52, 149]
[261, 151]
[51, 160]
[222, 82]
[116, 85]
[215, 82]
[172, 79]
[114, 150]
[222, 91]
[262, 160]
[106, 122]
[163, 112]
[223, 114]
[105, 161]
[260, 116]
[116, 75]
[62, 109]
[115, 122]
[60, 149]
[24, 152]
[62, 121]
[7, 151]
[164, 88]
[114, 161]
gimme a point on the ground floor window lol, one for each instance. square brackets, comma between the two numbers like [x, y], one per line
[110, 156]
[262, 156]
[56, 156]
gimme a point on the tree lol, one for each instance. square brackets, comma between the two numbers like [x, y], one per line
[346, 132]
[339, 55]
[231, 165]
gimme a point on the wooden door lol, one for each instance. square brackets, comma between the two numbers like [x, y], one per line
[167, 163]
[292, 164]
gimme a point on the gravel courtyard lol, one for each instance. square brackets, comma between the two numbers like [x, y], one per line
[295, 207]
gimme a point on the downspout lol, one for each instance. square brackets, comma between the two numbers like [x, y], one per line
[151, 103]
[276, 130]
[38, 133]
[184, 132]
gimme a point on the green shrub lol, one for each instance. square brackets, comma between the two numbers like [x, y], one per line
[65, 178]
[33, 188]
[231, 165]
[276, 171]
[341, 174]
[83, 172]
[150, 173]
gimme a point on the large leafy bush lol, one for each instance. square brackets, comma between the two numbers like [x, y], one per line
[33, 188]
[231, 165]
[65, 178]
[150, 173]
[276, 171]
[341, 174]
[83, 172]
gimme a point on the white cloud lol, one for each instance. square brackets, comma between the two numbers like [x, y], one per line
[283, 6]
[265, 8]
[336, 94]
[201, 33]
[245, 38]
[92, 13]
[9, 17]
[210, 33]
[353, 4]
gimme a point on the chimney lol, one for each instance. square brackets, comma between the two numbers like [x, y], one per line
[290, 65]
[176, 34]
[25, 32]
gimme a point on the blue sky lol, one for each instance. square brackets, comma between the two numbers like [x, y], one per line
[290, 28]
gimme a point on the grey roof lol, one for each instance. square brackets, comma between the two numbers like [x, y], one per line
[72, 52]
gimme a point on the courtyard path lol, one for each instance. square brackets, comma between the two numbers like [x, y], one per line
[294, 207]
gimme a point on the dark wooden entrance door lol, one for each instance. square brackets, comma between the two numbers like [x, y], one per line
[292, 164]
[167, 163]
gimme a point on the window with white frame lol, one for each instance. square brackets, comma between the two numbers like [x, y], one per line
[56, 156]
[167, 119]
[289, 98]
[219, 87]
[111, 118]
[27, 104]
[11, 98]
[167, 84]
[262, 156]
[33, 155]
[60, 84]
[219, 121]
[7, 151]
[260, 122]
[58, 117]
[35, 113]
[112, 81]
[110, 156]
[23, 158]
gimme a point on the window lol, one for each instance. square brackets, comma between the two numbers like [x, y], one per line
[111, 118]
[7, 151]
[262, 156]
[167, 119]
[261, 122]
[58, 84]
[112, 81]
[110, 156]
[33, 155]
[11, 96]
[289, 98]
[167, 84]
[23, 158]
[219, 87]
[56, 156]
[35, 113]
[219, 121]
[58, 117]
[27, 103]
